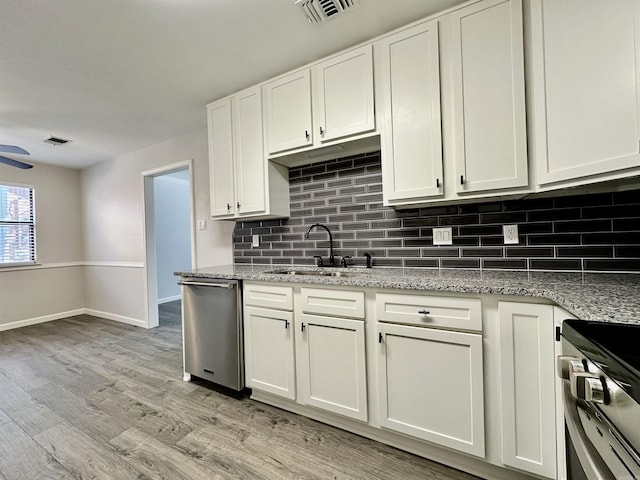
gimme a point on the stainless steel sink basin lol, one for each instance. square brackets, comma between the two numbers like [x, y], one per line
[300, 272]
[343, 274]
[317, 273]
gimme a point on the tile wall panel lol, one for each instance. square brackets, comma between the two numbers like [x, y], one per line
[596, 232]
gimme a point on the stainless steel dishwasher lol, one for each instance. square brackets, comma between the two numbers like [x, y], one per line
[212, 313]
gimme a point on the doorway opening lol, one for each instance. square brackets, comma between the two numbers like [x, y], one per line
[169, 239]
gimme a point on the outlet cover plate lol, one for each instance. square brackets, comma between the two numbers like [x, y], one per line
[510, 233]
[255, 240]
[442, 236]
[202, 224]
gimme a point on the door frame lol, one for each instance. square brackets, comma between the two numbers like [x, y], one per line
[150, 280]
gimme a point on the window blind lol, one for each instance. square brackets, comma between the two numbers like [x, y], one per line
[17, 225]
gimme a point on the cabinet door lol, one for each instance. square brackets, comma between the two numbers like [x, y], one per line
[560, 315]
[431, 385]
[288, 112]
[221, 158]
[343, 89]
[527, 373]
[269, 354]
[249, 152]
[489, 97]
[585, 56]
[333, 366]
[411, 139]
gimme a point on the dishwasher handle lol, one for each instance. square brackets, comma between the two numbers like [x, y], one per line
[229, 285]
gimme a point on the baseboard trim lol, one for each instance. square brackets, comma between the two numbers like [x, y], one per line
[169, 299]
[72, 313]
[45, 318]
[117, 318]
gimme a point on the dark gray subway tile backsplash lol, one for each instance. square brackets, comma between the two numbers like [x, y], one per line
[595, 232]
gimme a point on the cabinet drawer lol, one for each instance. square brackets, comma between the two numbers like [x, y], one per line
[430, 311]
[269, 296]
[338, 303]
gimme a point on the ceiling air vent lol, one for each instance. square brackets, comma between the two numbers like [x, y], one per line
[56, 141]
[322, 10]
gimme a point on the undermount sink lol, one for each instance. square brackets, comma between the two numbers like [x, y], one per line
[317, 273]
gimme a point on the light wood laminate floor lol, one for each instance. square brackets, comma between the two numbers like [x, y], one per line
[88, 398]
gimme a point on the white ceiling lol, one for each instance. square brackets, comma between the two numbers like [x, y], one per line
[114, 76]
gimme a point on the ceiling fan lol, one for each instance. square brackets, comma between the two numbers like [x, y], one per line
[15, 150]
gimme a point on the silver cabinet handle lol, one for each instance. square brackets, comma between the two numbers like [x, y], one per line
[302, 327]
[228, 206]
[322, 131]
[286, 324]
[380, 337]
[423, 312]
[306, 134]
[238, 204]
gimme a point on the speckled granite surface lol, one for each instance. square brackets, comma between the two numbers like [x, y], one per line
[589, 296]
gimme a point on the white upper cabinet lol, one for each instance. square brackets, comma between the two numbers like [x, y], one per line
[342, 103]
[250, 161]
[343, 93]
[288, 112]
[409, 73]
[221, 178]
[452, 100]
[242, 181]
[585, 74]
[490, 143]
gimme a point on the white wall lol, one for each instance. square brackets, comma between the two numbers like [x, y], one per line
[55, 287]
[112, 200]
[172, 211]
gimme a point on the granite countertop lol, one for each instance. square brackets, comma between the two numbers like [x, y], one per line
[589, 296]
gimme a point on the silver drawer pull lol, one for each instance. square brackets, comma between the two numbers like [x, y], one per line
[423, 312]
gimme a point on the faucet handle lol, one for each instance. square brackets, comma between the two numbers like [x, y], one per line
[344, 260]
[318, 261]
[368, 257]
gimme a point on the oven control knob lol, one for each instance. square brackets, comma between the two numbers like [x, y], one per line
[567, 364]
[594, 390]
[587, 387]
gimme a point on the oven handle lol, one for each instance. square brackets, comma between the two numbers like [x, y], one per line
[590, 461]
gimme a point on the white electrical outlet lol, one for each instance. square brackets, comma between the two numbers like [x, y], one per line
[510, 233]
[442, 236]
[202, 224]
[255, 240]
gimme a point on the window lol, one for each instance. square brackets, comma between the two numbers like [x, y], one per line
[17, 226]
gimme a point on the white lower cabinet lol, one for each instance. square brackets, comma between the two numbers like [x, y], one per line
[528, 387]
[324, 362]
[332, 364]
[269, 351]
[431, 385]
[467, 380]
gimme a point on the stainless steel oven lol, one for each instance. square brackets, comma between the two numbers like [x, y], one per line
[600, 366]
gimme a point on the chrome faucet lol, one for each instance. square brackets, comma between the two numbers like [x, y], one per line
[306, 235]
